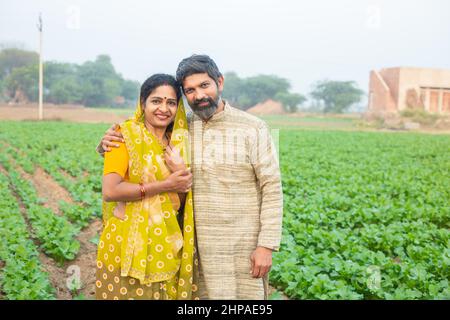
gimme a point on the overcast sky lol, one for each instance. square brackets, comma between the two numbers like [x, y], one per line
[303, 41]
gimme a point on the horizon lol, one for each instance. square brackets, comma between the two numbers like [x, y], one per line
[251, 38]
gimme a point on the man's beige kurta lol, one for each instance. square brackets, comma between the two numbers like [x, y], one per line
[237, 201]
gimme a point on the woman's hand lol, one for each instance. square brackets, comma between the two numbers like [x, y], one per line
[119, 210]
[173, 159]
[179, 181]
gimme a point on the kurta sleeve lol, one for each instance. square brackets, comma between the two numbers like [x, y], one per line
[116, 160]
[264, 159]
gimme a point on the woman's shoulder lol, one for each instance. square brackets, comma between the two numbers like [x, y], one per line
[121, 146]
[118, 153]
[129, 124]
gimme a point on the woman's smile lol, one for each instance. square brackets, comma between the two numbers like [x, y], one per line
[161, 116]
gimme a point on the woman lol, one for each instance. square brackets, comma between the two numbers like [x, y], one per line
[147, 248]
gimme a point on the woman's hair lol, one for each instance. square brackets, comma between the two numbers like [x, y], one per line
[155, 81]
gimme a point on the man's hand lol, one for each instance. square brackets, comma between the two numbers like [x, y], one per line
[173, 159]
[110, 136]
[261, 260]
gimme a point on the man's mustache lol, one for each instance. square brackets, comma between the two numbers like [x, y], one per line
[208, 100]
[204, 112]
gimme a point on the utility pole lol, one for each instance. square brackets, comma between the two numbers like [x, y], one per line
[41, 73]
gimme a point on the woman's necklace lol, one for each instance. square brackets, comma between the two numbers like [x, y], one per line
[162, 142]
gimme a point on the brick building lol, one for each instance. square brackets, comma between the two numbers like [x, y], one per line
[395, 89]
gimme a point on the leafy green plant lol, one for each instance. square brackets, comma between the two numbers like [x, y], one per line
[366, 215]
[359, 202]
[22, 276]
[55, 233]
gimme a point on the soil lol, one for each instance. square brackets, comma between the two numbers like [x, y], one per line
[59, 113]
[50, 190]
[85, 260]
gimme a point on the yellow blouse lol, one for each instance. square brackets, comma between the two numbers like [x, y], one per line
[116, 160]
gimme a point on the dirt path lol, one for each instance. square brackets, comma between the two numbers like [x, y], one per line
[282, 295]
[87, 257]
[48, 264]
[83, 266]
[85, 261]
[46, 187]
[49, 189]
[59, 113]
[2, 263]
[3, 171]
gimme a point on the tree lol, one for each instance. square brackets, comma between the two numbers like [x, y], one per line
[130, 90]
[11, 59]
[337, 96]
[101, 83]
[233, 89]
[94, 83]
[290, 101]
[247, 92]
[62, 84]
[22, 84]
[263, 87]
[2, 91]
[66, 90]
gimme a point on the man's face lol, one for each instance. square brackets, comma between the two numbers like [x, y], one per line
[203, 94]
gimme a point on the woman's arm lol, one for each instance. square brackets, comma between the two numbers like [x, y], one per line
[115, 188]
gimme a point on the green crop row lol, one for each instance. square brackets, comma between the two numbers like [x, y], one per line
[22, 276]
[366, 216]
[55, 234]
[66, 153]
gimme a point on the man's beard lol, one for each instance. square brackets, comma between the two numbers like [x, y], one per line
[205, 112]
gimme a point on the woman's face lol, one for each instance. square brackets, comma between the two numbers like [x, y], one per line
[161, 106]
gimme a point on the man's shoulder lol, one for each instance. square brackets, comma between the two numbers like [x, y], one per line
[242, 117]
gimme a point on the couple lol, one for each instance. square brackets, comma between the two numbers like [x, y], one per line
[163, 239]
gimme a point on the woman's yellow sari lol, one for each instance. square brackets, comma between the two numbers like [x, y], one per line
[148, 255]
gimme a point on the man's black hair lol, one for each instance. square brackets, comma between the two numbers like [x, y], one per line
[198, 63]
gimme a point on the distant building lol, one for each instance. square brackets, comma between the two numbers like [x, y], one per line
[267, 107]
[119, 100]
[396, 89]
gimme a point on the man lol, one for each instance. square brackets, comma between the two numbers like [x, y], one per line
[237, 187]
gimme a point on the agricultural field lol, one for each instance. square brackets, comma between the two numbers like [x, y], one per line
[366, 214]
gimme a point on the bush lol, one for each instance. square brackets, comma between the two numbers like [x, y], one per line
[420, 116]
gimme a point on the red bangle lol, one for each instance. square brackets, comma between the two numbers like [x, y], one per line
[142, 191]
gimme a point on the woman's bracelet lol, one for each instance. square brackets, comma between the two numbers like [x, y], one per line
[142, 190]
